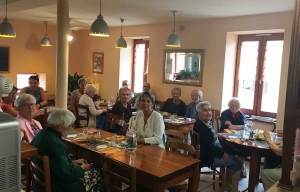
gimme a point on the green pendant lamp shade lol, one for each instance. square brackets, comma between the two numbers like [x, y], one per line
[6, 29]
[99, 27]
[46, 40]
[121, 43]
[173, 39]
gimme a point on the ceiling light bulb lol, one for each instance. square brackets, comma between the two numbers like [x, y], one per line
[70, 37]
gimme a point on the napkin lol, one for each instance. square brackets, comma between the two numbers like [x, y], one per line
[72, 136]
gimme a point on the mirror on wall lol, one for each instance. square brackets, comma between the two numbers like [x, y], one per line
[183, 66]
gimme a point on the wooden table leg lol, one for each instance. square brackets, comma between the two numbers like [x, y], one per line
[254, 171]
[194, 181]
[28, 175]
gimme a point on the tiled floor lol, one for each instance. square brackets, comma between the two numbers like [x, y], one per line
[243, 184]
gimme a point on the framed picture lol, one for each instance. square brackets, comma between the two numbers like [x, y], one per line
[98, 62]
[4, 59]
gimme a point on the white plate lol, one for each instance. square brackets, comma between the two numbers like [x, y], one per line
[101, 146]
[72, 136]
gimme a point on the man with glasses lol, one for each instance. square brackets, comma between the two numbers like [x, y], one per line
[146, 88]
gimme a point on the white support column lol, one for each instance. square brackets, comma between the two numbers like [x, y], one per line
[62, 54]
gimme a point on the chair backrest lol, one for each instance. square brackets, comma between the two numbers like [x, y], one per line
[195, 138]
[110, 117]
[119, 123]
[188, 149]
[214, 119]
[79, 117]
[112, 169]
[45, 170]
[175, 135]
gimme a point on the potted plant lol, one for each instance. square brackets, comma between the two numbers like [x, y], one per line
[73, 82]
[185, 73]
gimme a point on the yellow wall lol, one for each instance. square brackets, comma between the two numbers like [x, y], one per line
[211, 34]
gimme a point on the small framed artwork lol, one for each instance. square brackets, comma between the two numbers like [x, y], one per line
[4, 59]
[98, 62]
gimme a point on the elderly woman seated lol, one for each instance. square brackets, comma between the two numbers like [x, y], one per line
[29, 127]
[174, 104]
[66, 175]
[96, 118]
[196, 96]
[149, 124]
[211, 149]
[7, 104]
[122, 106]
[232, 118]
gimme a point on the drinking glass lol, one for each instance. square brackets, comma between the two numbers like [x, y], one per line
[113, 140]
[131, 141]
[273, 136]
[98, 134]
[85, 130]
[175, 116]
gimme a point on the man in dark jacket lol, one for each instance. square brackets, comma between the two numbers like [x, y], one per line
[211, 150]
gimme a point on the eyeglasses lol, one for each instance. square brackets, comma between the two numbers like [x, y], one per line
[31, 105]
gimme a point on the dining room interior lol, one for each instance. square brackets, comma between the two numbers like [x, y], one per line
[211, 28]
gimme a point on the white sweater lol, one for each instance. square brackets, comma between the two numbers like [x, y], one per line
[153, 131]
[86, 100]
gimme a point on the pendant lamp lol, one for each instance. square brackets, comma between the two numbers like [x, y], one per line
[6, 29]
[99, 26]
[121, 43]
[46, 40]
[173, 39]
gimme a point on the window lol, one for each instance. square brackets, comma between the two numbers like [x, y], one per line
[22, 80]
[140, 64]
[257, 76]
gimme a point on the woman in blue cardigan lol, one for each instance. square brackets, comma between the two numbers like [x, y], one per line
[232, 118]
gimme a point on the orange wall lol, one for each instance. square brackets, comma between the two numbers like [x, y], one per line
[26, 54]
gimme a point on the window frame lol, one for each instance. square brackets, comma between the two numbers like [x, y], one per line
[258, 91]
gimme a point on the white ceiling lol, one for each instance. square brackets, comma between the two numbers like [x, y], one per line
[141, 12]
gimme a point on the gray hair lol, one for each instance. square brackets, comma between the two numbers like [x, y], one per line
[89, 89]
[22, 98]
[199, 92]
[81, 79]
[124, 89]
[60, 116]
[235, 99]
[200, 105]
[176, 88]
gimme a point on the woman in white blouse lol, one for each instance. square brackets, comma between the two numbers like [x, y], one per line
[149, 124]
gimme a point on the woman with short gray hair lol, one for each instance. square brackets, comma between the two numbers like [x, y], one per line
[96, 118]
[196, 96]
[174, 104]
[122, 107]
[76, 94]
[232, 118]
[29, 127]
[66, 175]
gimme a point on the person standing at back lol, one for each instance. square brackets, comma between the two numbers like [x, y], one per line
[37, 92]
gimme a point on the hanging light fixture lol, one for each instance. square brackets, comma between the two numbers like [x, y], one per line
[121, 43]
[99, 26]
[46, 40]
[173, 39]
[6, 29]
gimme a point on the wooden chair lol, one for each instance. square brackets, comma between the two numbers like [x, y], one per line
[110, 117]
[45, 170]
[214, 120]
[112, 178]
[118, 123]
[175, 135]
[80, 117]
[189, 150]
[195, 139]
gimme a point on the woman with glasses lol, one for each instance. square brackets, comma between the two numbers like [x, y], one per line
[29, 127]
[35, 91]
[122, 106]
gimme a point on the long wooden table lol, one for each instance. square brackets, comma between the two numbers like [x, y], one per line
[157, 169]
[27, 150]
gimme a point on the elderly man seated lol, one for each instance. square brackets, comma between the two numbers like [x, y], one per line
[135, 100]
[211, 149]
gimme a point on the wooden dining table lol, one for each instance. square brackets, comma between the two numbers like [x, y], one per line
[254, 149]
[27, 150]
[179, 124]
[157, 168]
